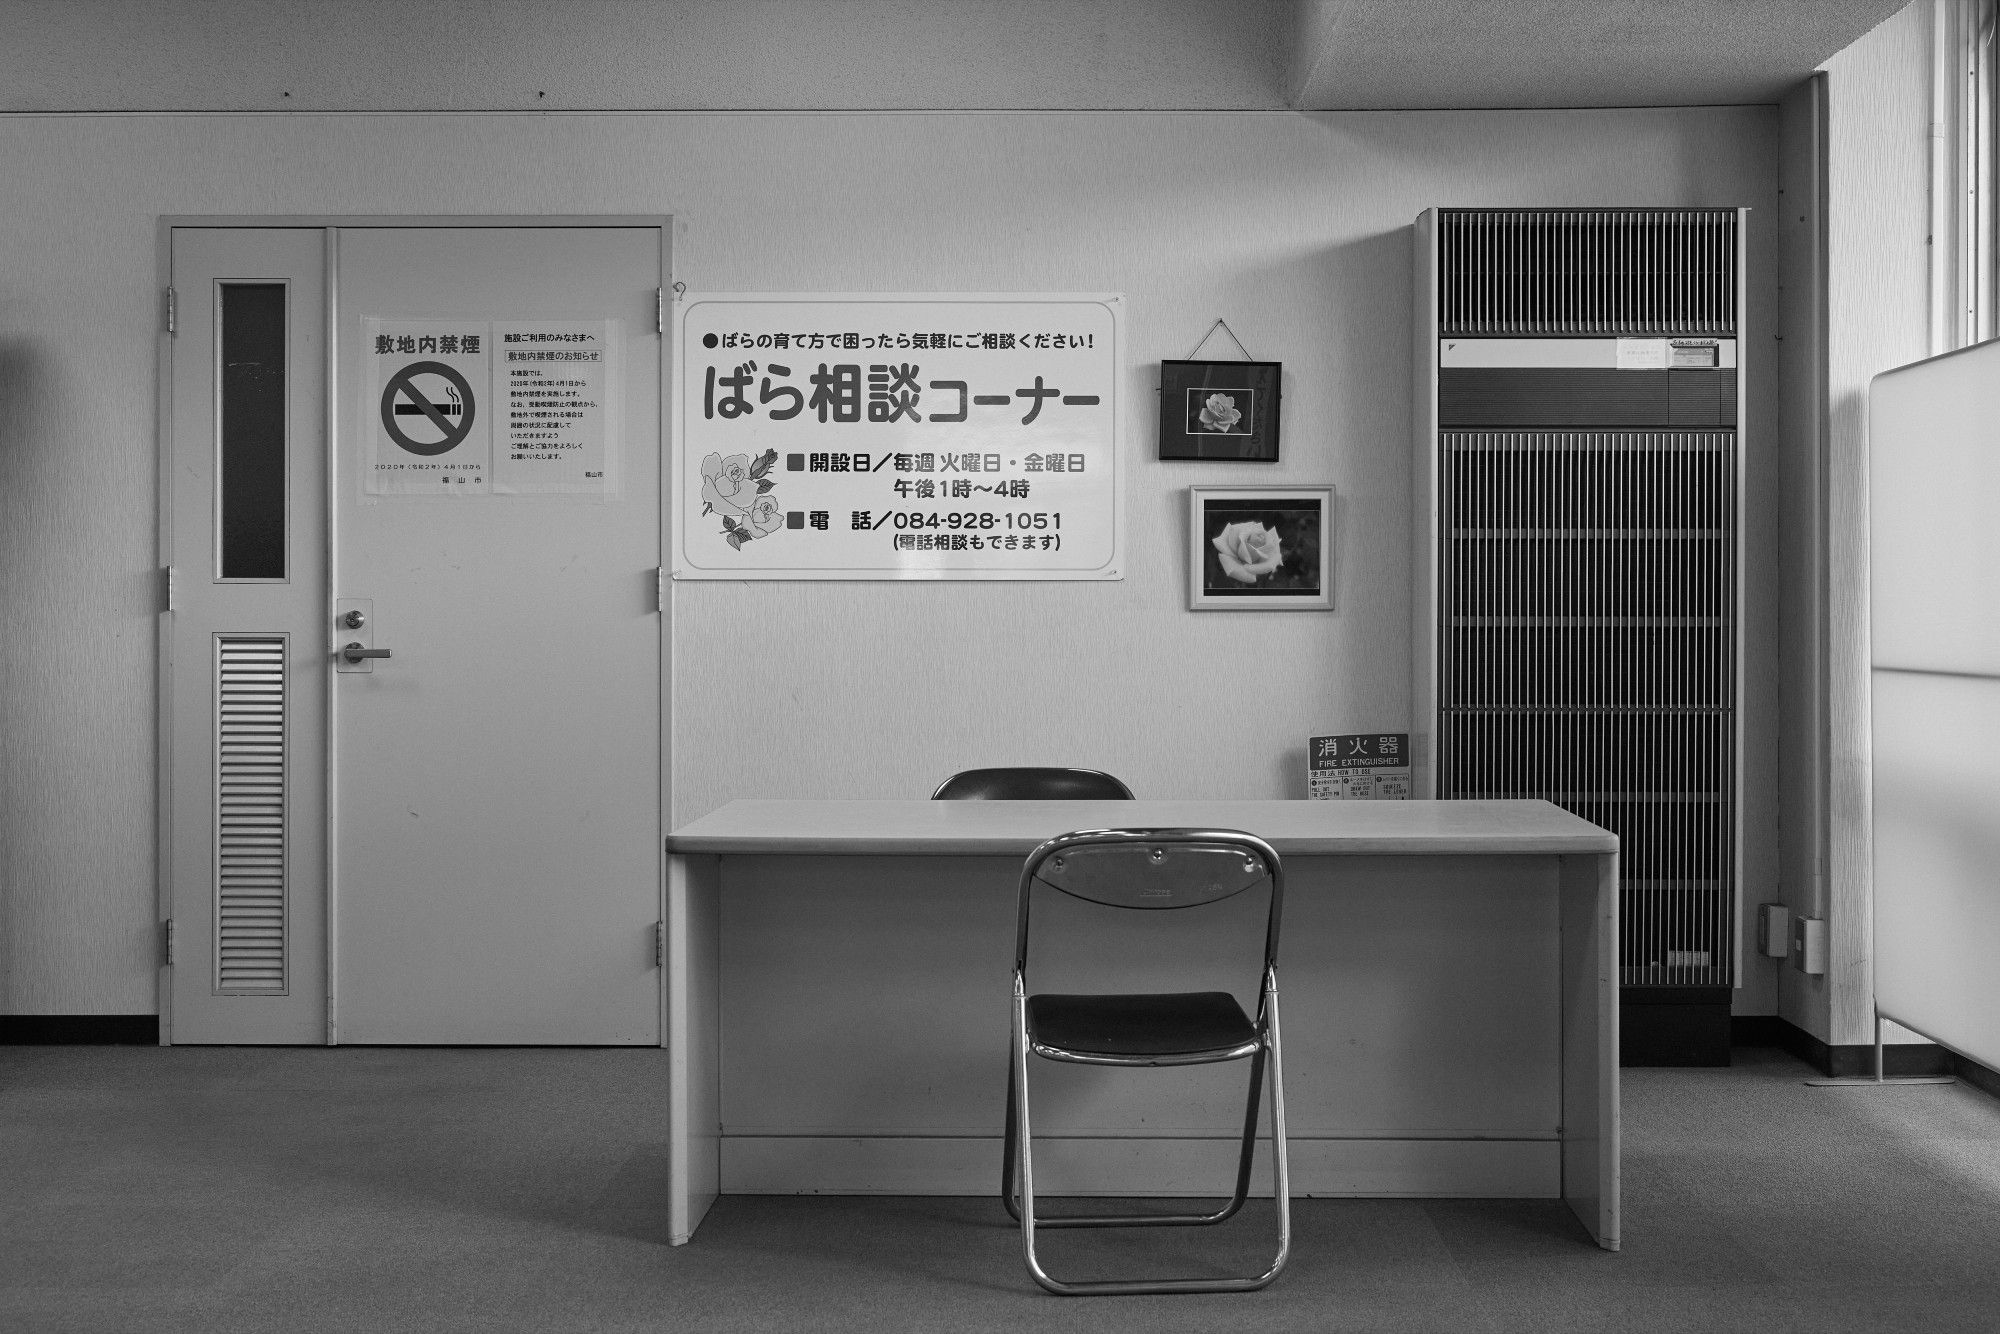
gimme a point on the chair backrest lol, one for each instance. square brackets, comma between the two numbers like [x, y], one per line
[1150, 869]
[1031, 784]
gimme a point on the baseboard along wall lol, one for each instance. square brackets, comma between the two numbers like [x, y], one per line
[1902, 1059]
[1857, 1060]
[89, 1030]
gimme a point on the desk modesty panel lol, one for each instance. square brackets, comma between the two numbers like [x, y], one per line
[837, 1001]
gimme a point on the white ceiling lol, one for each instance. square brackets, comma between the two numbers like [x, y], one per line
[1568, 53]
[435, 55]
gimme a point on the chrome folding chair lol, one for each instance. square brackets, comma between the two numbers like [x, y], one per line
[1148, 869]
[1032, 784]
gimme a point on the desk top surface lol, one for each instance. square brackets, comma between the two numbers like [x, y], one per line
[1014, 828]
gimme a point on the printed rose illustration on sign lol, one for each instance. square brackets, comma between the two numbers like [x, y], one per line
[738, 490]
[765, 516]
[1219, 413]
[1248, 551]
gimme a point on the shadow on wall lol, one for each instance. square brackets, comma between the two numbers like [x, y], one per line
[31, 791]
[1290, 765]
[1368, 377]
[28, 475]
[1339, 317]
[24, 383]
[1348, 422]
[77, 544]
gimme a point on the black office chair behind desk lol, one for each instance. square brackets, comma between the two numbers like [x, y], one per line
[1031, 784]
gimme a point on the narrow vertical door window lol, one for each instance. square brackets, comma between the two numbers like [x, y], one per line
[250, 464]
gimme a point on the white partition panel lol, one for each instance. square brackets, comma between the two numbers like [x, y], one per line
[1934, 440]
[1934, 450]
[1937, 858]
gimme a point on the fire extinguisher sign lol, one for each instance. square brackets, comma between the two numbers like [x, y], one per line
[1360, 766]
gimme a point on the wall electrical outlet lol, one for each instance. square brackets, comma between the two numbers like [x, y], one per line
[1774, 930]
[1809, 945]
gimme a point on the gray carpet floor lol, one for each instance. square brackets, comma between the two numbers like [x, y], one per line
[485, 1190]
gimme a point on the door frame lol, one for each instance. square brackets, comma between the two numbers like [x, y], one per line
[163, 750]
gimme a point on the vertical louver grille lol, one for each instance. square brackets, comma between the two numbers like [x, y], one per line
[1551, 272]
[250, 816]
[1587, 590]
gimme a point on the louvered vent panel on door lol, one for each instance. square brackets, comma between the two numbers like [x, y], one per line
[1551, 272]
[1588, 647]
[250, 815]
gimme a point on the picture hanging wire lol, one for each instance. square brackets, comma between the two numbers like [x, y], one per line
[1224, 326]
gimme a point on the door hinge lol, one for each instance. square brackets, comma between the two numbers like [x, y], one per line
[167, 941]
[660, 587]
[659, 310]
[169, 589]
[659, 944]
[170, 311]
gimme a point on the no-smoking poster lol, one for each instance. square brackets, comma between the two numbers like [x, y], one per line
[430, 431]
[458, 408]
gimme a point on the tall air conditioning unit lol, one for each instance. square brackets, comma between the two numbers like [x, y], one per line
[1579, 530]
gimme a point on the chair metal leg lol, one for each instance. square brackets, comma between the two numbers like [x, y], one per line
[1023, 1149]
[1281, 1167]
[1229, 1209]
[1010, 1198]
[1249, 1154]
[1007, 1146]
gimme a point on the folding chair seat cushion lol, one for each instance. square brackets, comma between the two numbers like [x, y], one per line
[1174, 1027]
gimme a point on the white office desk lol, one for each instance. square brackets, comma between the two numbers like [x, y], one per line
[837, 1000]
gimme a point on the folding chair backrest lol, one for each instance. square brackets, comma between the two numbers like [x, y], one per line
[1153, 873]
[1032, 784]
[1153, 869]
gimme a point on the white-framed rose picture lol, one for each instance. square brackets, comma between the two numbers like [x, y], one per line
[1221, 410]
[1260, 548]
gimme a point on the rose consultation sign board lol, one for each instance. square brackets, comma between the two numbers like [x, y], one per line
[898, 436]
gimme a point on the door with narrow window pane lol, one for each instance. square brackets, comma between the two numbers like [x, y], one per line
[243, 667]
[411, 677]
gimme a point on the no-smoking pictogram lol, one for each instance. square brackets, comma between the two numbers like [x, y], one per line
[448, 407]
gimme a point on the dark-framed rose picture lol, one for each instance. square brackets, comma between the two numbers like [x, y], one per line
[1222, 410]
[1260, 548]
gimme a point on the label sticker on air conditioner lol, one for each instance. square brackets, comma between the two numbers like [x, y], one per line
[1695, 354]
[1642, 354]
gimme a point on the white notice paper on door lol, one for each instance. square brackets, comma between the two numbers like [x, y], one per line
[555, 386]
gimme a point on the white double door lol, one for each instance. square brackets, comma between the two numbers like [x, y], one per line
[458, 840]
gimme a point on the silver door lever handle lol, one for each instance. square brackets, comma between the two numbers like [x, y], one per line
[355, 653]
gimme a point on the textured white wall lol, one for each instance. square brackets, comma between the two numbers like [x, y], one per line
[1294, 228]
[1878, 162]
[657, 55]
[1801, 521]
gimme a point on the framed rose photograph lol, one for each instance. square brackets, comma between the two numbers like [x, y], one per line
[1260, 548]
[1222, 410]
